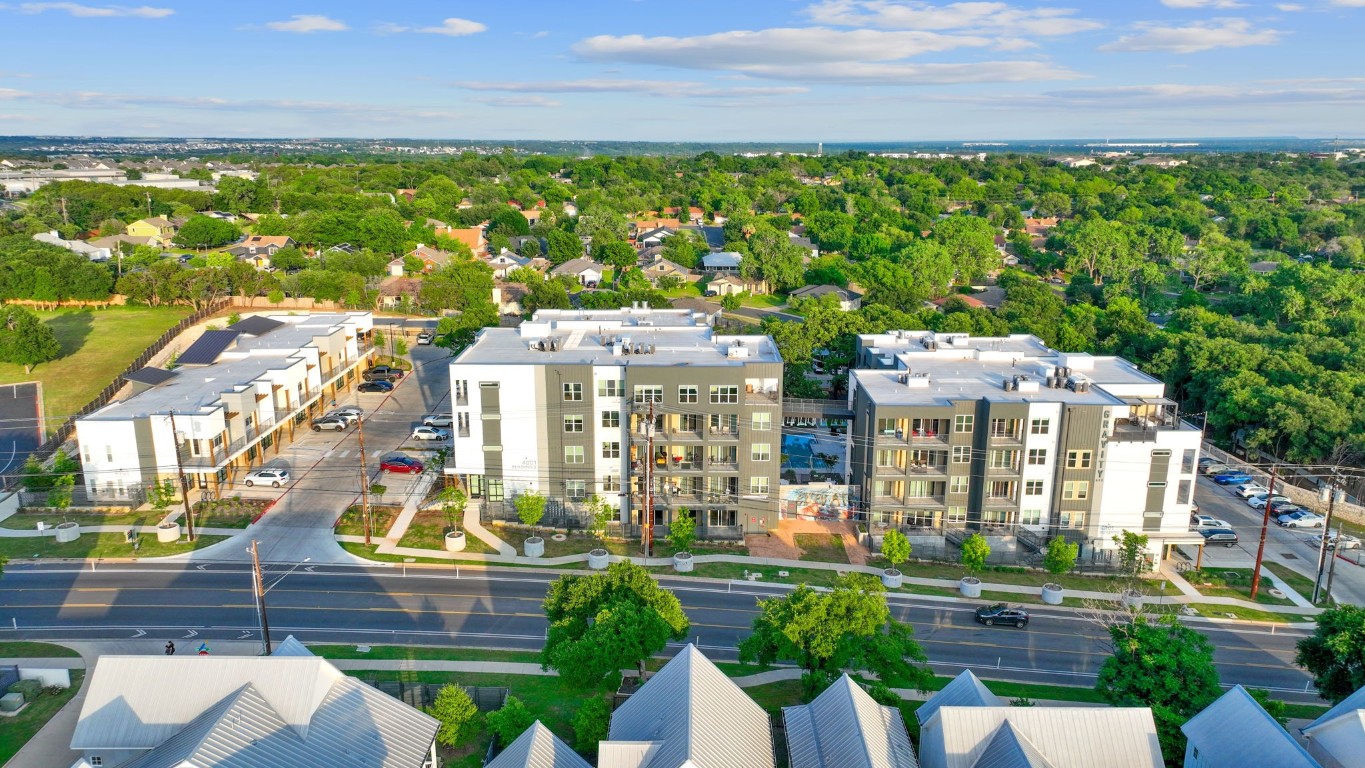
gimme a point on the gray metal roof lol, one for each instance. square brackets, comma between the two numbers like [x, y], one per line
[1011, 749]
[697, 716]
[150, 375]
[845, 728]
[965, 690]
[1348, 705]
[1235, 730]
[256, 325]
[291, 647]
[1067, 737]
[538, 747]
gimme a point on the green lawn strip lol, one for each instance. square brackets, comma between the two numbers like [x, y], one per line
[369, 553]
[767, 300]
[428, 531]
[821, 547]
[21, 649]
[1296, 581]
[424, 653]
[91, 545]
[550, 699]
[218, 517]
[1247, 614]
[381, 520]
[19, 729]
[1231, 582]
[1304, 711]
[96, 346]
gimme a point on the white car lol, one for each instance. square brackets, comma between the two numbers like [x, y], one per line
[437, 420]
[1247, 490]
[1258, 502]
[1215, 468]
[350, 417]
[1205, 521]
[267, 476]
[425, 338]
[1344, 541]
[1301, 519]
[430, 433]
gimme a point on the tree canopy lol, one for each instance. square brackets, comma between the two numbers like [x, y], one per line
[1335, 653]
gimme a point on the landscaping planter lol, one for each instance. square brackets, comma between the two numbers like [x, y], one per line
[1132, 598]
[455, 541]
[970, 586]
[892, 578]
[67, 532]
[1052, 594]
[682, 562]
[534, 546]
[168, 533]
[598, 559]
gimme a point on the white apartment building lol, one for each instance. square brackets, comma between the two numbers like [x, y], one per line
[233, 395]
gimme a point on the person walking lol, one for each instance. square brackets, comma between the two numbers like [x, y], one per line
[170, 648]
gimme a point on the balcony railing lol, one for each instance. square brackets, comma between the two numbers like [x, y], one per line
[760, 397]
[724, 432]
[929, 469]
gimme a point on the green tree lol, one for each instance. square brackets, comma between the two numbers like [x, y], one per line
[1053, 204]
[603, 622]
[1060, 556]
[847, 627]
[161, 495]
[975, 550]
[59, 498]
[1132, 553]
[590, 725]
[615, 253]
[895, 547]
[1166, 666]
[1335, 653]
[26, 340]
[458, 715]
[682, 532]
[600, 514]
[206, 232]
[508, 722]
[563, 246]
[530, 508]
[970, 241]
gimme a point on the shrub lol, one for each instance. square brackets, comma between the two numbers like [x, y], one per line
[530, 508]
[895, 547]
[975, 550]
[590, 725]
[1061, 556]
[508, 723]
[458, 715]
[30, 688]
[683, 530]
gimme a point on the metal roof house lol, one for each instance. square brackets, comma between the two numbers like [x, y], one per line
[845, 728]
[1337, 739]
[966, 690]
[1029, 737]
[244, 712]
[1236, 731]
[538, 747]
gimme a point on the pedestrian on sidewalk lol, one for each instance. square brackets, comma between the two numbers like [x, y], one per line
[170, 648]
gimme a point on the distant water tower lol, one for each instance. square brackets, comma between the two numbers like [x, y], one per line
[819, 149]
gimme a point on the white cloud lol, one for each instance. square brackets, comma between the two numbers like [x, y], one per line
[1263, 96]
[11, 93]
[669, 88]
[993, 17]
[1200, 36]
[308, 23]
[1289, 7]
[516, 101]
[1349, 3]
[91, 11]
[1201, 3]
[455, 27]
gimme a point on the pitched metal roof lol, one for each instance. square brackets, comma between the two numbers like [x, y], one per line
[965, 690]
[206, 349]
[845, 728]
[1011, 749]
[1067, 737]
[150, 375]
[698, 717]
[1235, 730]
[291, 647]
[538, 747]
[256, 325]
[1347, 706]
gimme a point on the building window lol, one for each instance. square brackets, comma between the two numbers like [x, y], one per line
[888, 427]
[573, 423]
[1182, 492]
[1076, 490]
[576, 489]
[1037, 457]
[962, 423]
[758, 485]
[721, 518]
[1002, 489]
[96, 760]
[890, 458]
[1004, 427]
[1031, 517]
[573, 454]
[959, 484]
[724, 394]
[611, 450]
[1005, 460]
[611, 484]
[1039, 426]
[573, 392]
[109, 452]
[687, 393]
[609, 388]
[1078, 459]
[1033, 487]
[1187, 460]
[762, 421]
[761, 452]
[1072, 519]
[649, 393]
[956, 515]
[962, 454]
[611, 419]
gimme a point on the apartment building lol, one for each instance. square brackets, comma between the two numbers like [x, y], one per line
[234, 394]
[625, 404]
[954, 431]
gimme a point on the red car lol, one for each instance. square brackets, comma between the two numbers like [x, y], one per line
[401, 464]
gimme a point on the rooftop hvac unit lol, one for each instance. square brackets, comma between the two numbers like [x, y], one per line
[651, 349]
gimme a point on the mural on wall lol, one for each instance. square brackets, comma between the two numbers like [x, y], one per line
[818, 501]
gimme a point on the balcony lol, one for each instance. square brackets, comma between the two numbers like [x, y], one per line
[722, 465]
[1012, 469]
[925, 501]
[928, 469]
[684, 434]
[885, 500]
[731, 433]
[760, 397]
[893, 469]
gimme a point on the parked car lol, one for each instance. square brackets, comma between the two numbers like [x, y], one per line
[402, 465]
[1199, 522]
[1225, 536]
[333, 423]
[1247, 490]
[425, 338]
[430, 433]
[355, 410]
[1279, 507]
[375, 386]
[382, 373]
[1291, 512]
[1342, 541]
[1206, 460]
[350, 417]
[267, 476]
[1258, 502]
[1231, 478]
[1000, 613]
[1214, 468]
[1305, 520]
[437, 420]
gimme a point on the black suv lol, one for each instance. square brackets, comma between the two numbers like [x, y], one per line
[1002, 614]
[383, 373]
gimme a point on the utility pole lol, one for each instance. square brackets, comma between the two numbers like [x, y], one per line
[260, 596]
[1332, 569]
[364, 479]
[1331, 492]
[180, 478]
[149, 204]
[1265, 523]
[647, 514]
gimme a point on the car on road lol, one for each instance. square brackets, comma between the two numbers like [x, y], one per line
[267, 476]
[402, 465]
[442, 420]
[382, 373]
[1198, 522]
[1225, 536]
[1341, 541]
[1232, 478]
[375, 386]
[332, 423]
[1247, 490]
[1305, 520]
[1000, 613]
[425, 338]
[430, 433]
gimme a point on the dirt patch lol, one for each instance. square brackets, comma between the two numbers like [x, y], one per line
[781, 542]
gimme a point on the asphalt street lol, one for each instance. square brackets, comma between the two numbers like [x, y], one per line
[502, 609]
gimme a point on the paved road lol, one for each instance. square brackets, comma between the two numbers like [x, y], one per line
[502, 609]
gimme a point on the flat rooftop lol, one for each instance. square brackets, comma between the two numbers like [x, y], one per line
[951, 381]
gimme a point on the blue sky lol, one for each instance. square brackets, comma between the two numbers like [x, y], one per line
[685, 70]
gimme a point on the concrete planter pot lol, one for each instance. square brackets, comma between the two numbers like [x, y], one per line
[599, 559]
[67, 532]
[970, 586]
[455, 541]
[682, 562]
[1052, 594]
[168, 533]
[892, 578]
[1132, 598]
[534, 546]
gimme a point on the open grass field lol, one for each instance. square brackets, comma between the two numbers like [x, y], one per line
[96, 346]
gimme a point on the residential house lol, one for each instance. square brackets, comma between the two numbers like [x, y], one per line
[570, 209]
[1264, 267]
[505, 262]
[585, 271]
[1235, 731]
[845, 728]
[728, 284]
[124, 243]
[1159, 162]
[812, 251]
[709, 310]
[432, 258]
[849, 300]
[289, 709]
[395, 289]
[538, 747]
[518, 243]
[472, 237]
[1337, 739]
[637, 226]
[694, 215]
[406, 194]
[395, 267]
[942, 301]
[651, 237]
[657, 266]
[257, 249]
[159, 229]
[507, 297]
[532, 215]
[81, 247]
[714, 236]
[440, 228]
[221, 216]
[1038, 230]
[725, 261]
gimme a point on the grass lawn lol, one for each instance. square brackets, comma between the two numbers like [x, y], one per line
[224, 517]
[822, 547]
[768, 301]
[381, 520]
[423, 653]
[91, 545]
[577, 544]
[684, 290]
[1247, 614]
[96, 346]
[25, 650]
[1296, 581]
[428, 531]
[1232, 582]
[20, 728]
